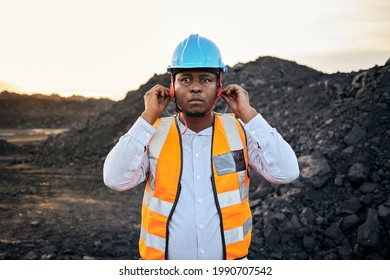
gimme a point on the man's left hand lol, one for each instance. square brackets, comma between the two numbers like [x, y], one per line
[238, 101]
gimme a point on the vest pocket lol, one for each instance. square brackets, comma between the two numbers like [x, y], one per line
[230, 162]
[224, 163]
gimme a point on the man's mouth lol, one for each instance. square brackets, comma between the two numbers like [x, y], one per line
[195, 101]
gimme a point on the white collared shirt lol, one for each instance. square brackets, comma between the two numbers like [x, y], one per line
[194, 230]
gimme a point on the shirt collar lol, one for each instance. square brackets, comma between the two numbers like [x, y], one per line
[205, 132]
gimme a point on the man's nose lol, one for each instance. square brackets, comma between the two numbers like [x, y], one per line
[196, 87]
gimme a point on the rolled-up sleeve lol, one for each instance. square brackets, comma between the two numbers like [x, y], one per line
[269, 154]
[127, 163]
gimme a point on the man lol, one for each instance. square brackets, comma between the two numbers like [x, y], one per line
[197, 163]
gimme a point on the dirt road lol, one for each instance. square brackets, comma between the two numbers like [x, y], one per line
[48, 213]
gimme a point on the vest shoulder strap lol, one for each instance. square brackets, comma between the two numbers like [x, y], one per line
[162, 129]
[233, 129]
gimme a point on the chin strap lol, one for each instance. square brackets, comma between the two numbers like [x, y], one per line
[185, 122]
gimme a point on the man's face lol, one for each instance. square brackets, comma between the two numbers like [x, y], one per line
[195, 92]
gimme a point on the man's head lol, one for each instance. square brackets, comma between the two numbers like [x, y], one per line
[196, 53]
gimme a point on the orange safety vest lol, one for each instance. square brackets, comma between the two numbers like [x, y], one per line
[230, 187]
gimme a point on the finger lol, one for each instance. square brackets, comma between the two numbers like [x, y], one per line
[227, 89]
[162, 92]
[157, 89]
[231, 90]
[230, 95]
[226, 92]
[227, 99]
[164, 99]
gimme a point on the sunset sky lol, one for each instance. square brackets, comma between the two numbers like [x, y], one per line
[105, 48]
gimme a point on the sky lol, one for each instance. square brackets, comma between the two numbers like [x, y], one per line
[105, 48]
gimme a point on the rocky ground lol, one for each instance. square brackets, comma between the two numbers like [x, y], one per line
[62, 213]
[56, 205]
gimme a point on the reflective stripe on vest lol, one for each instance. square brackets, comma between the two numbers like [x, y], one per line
[163, 187]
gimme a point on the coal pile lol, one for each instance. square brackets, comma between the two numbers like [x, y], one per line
[338, 125]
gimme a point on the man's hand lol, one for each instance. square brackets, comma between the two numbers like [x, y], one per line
[238, 101]
[156, 100]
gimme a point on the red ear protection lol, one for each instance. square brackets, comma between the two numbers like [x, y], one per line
[219, 93]
[172, 88]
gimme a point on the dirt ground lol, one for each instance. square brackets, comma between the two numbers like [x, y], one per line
[49, 213]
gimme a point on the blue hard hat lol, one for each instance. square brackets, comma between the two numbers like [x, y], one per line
[196, 52]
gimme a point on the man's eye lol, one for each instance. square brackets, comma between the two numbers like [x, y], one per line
[185, 80]
[205, 81]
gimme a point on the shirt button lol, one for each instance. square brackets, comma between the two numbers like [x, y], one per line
[200, 226]
[200, 200]
[197, 155]
[202, 252]
[198, 177]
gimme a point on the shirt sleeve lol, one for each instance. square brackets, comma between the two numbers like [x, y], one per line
[269, 154]
[127, 163]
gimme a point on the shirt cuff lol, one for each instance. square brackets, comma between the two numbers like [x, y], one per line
[142, 131]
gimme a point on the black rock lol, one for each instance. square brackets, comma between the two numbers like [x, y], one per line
[333, 231]
[31, 256]
[384, 211]
[349, 222]
[368, 233]
[355, 135]
[309, 242]
[349, 206]
[357, 174]
[368, 187]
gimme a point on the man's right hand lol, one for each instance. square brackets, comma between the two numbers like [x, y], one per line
[156, 100]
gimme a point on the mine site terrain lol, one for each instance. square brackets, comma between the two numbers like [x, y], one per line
[54, 205]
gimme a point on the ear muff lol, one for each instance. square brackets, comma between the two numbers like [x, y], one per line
[172, 87]
[219, 93]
